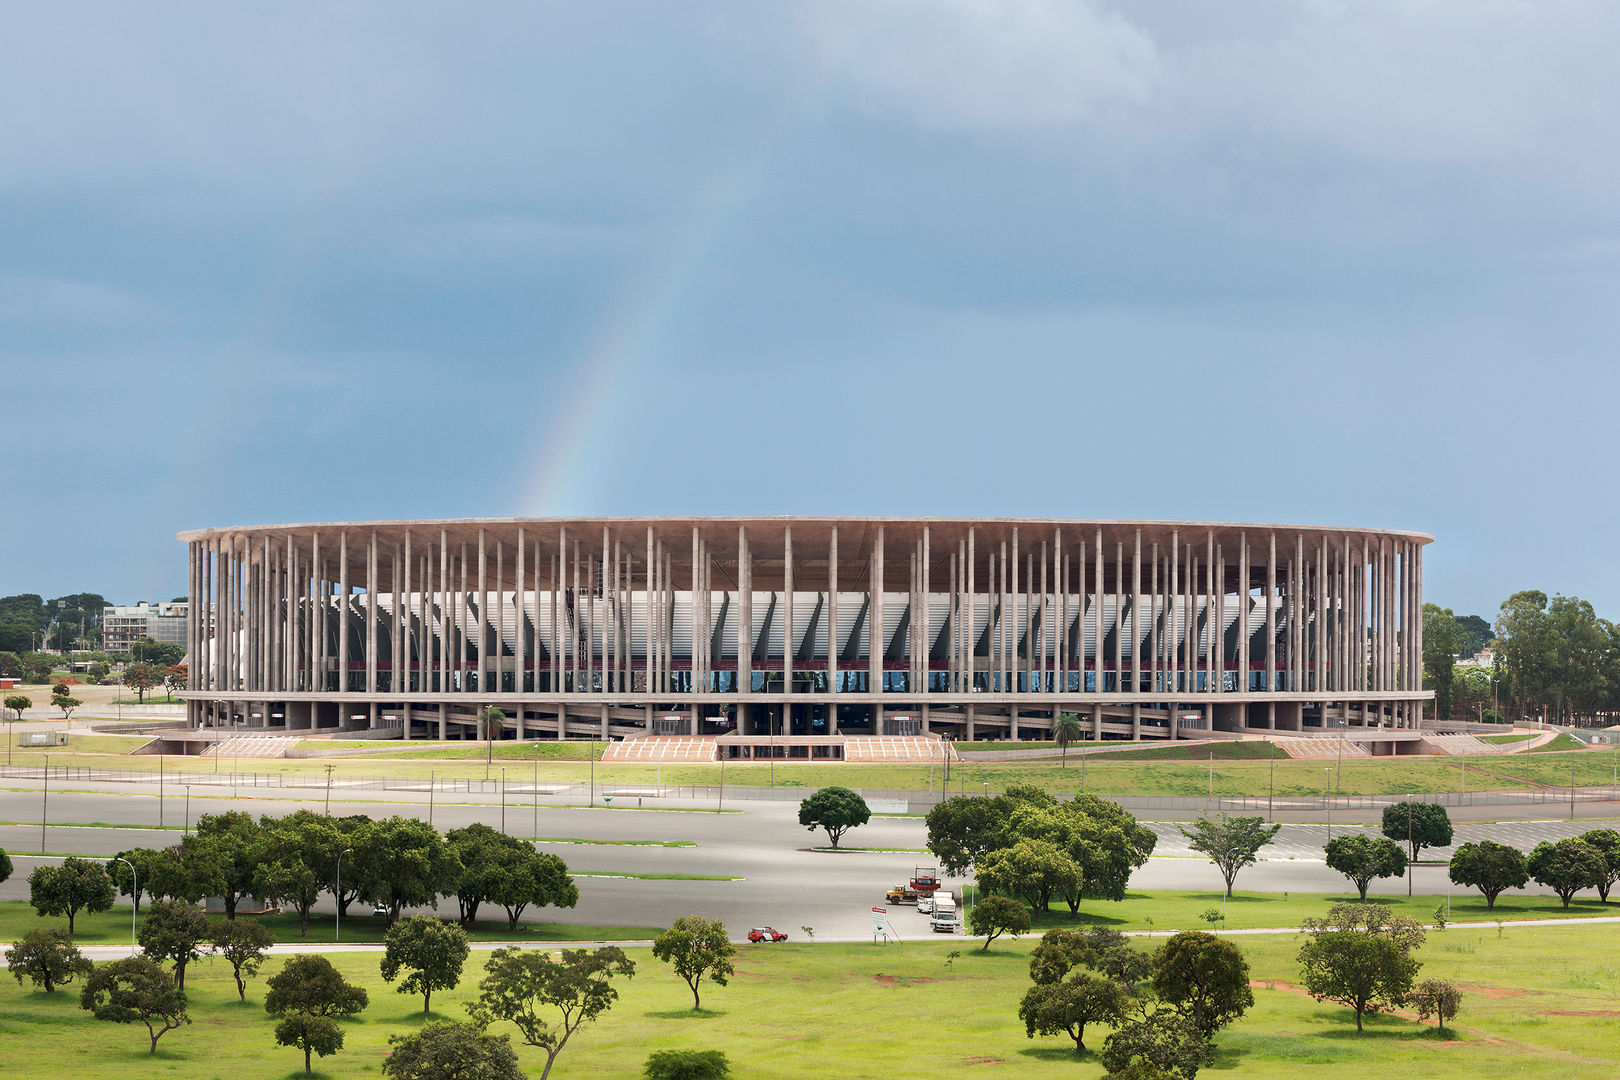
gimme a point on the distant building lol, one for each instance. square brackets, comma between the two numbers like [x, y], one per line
[1486, 658]
[122, 626]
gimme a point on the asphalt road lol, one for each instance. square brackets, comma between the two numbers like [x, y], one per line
[782, 880]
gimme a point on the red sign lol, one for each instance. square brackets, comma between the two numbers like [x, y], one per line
[880, 911]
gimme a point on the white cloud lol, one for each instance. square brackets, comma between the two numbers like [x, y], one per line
[965, 64]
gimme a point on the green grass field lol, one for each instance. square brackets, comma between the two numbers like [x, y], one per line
[1517, 736]
[1160, 771]
[112, 927]
[870, 1011]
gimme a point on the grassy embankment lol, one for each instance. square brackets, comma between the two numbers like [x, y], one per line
[865, 1011]
[1170, 770]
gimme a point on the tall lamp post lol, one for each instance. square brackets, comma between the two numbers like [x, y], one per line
[337, 924]
[503, 800]
[1328, 799]
[1409, 844]
[44, 803]
[535, 793]
[134, 896]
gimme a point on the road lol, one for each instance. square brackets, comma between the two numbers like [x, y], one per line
[783, 879]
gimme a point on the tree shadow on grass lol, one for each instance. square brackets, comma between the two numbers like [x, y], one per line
[1056, 1053]
[685, 1014]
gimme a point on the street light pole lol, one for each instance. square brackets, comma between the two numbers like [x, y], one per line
[187, 830]
[1409, 844]
[134, 897]
[534, 794]
[503, 800]
[44, 803]
[1329, 800]
[431, 787]
[337, 923]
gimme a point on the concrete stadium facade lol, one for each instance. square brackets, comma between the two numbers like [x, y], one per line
[967, 628]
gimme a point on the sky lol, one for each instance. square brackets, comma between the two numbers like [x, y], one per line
[1321, 262]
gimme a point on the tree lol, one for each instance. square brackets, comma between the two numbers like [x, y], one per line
[10, 665]
[244, 943]
[964, 829]
[311, 997]
[1438, 998]
[1107, 952]
[993, 916]
[433, 952]
[48, 958]
[686, 1065]
[134, 886]
[518, 985]
[1567, 866]
[1361, 858]
[99, 670]
[835, 809]
[1065, 1008]
[1032, 870]
[1607, 843]
[289, 850]
[402, 862]
[38, 669]
[1230, 842]
[1360, 956]
[5, 866]
[67, 703]
[18, 704]
[1489, 867]
[230, 842]
[1442, 638]
[477, 849]
[174, 678]
[1474, 633]
[697, 948]
[135, 990]
[490, 720]
[77, 884]
[532, 877]
[1204, 977]
[141, 678]
[1159, 1044]
[185, 872]
[1065, 730]
[451, 1051]
[1417, 824]
[176, 931]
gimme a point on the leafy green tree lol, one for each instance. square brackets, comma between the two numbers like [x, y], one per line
[451, 1051]
[1567, 866]
[289, 852]
[686, 1065]
[518, 986]
[231, 843]
[1204, 977]
[1474, 633]
[185, 872]
[1065, 730]
[433, 953]
[1102, 837]
[18, 704]
[1231, 843]
[175, 677]
[5, 866]
[176, 931]
[1107, 952]
[1066, 1007]
[1438, 998]
[1489, 867]
[1442, 637]
[835, 809]
[99, 670]
[1360, 956]
[1361, 858]
[75, 885]
[477, 849]
[48, 958]
[1418, 825]
[67, 703]
[402, 862]
[141, 678]
[698, 949]
[10, 665]
[1033, 870]
[1161, 1044]
[310, 997]
[136, 990]
[244, 943]
[1606, 841]
[528, 878]
[993, 916]
[490, 720]
[964, 829]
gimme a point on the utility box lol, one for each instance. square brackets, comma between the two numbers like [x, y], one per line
[43, 738]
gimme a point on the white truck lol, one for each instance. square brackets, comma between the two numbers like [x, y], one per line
[946, 919]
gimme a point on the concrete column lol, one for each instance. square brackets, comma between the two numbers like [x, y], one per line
[745, 621]
[1096, 722]
[927, 623]
[371, 613]
[1099, 653]
[343, 611]
[1136, 626]
[1060, 635]
[787, 627]
[970, 645]
[875, 627]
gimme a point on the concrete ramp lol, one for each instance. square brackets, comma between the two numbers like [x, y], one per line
[1320, 747]
[909, 749]
[1461, 744]
[253, 746]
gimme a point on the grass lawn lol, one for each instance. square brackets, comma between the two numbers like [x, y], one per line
[1180, 771]
[1517, 736]
[112, 927]
[866, 1011]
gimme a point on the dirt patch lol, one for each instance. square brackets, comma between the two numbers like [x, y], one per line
[901, 980]
[984, 1061]
[1495, 991]
[1579, 1012]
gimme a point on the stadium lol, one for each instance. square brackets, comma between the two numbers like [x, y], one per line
[808, 637]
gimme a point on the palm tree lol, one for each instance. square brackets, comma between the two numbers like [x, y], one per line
[1066, 729]
[490, 719]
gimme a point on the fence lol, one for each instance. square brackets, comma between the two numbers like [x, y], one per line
[917, 801]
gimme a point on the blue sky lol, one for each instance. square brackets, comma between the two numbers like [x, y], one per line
[1320, 262]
